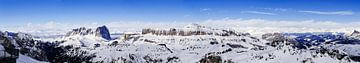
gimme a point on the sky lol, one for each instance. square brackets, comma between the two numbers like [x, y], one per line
[21, 12]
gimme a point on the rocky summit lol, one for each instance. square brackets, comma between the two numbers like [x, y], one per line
[101, 31]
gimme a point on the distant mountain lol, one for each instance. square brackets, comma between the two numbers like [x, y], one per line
[102, 32]
[193, 29]
[355, 33]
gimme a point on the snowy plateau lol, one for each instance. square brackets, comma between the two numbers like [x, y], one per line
[192, 43]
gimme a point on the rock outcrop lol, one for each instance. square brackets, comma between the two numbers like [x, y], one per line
[102, 32]
[275, 39]
[355, 33]
[192, 29]
[14, 44]
[8, 51]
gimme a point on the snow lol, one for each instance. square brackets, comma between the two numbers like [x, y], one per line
[81, 40]
[187, 48]
[350, 49]
[27, 59]
[191, 49]
[3, 53]
[200, 48]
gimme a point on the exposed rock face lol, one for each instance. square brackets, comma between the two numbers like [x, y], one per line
[14, 44]
[211, 59]
[276, 39]
[9, 51]
[355, 34]
[21, 43]
[79, 31]
[102, 32]
[192, 29]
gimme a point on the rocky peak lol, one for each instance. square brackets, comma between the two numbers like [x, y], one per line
[21, 35]
[9, 34]
[79, 31]
[194, 26]
[355, 33]
[198, 28]
[102, 32]
[193, 29]
[275, 39]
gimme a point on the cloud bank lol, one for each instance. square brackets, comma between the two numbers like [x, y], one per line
[258, 12]
[254, 26]
[330, 13]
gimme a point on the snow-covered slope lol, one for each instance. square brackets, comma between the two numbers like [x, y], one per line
[175, 48]
[205, 44]
[27, 59]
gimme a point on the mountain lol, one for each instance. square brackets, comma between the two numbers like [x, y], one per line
[21, 47]
[336, 45]
[7, 48]
[192, 43]
[101, 31]
[192, 29]
[355, 33]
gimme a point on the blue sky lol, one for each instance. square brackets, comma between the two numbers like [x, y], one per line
[18, 12]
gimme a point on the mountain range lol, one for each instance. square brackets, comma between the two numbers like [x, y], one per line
[193, 43]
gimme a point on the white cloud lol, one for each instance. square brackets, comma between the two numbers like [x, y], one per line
[264, 26]
[330, 13]
[276, 9]
[254, 26]
[207, 11]
[258, 12]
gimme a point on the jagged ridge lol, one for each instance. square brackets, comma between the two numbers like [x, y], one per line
[102, 32]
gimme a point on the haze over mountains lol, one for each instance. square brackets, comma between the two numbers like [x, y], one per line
[254, 26]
